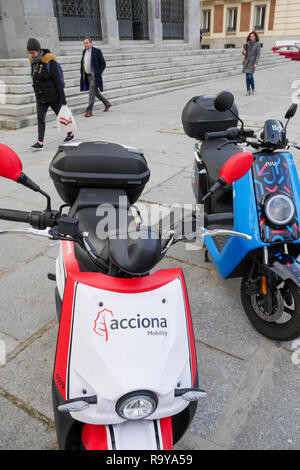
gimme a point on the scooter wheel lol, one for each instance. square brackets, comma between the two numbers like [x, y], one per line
[283, 323]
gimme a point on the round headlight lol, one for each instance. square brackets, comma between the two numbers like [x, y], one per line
[137, 405]
[280, 209]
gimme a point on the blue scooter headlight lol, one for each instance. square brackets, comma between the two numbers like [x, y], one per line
[280, 209]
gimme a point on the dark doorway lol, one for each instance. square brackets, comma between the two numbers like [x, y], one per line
[78, 18]
[132, 16]
[172, 17]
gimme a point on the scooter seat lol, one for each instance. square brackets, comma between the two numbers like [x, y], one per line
[214, 159]
[94, 208]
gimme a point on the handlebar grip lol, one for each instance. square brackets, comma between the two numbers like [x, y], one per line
[215, 135]
[15, 216]
[226, 219]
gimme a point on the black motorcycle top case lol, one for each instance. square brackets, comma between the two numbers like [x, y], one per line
[200, 116]
[98, 165]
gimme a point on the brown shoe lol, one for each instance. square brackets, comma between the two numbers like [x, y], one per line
[88, 114]
[107, 108]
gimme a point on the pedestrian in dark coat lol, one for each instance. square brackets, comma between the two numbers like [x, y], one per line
[48, 87]
[251, 51]
[92, 67]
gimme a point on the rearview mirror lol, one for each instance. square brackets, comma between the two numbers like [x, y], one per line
[12, 169]
[291, 111]
[224, 101]
[10, 164]
[236, 167]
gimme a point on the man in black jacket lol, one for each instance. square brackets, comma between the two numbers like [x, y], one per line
[92, 67]
[48, 87]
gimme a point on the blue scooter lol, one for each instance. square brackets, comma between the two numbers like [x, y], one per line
[265, 204]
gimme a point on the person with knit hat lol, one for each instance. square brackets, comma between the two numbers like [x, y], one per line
[48, 88]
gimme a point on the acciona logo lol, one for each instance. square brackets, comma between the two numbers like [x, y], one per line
[106, 323]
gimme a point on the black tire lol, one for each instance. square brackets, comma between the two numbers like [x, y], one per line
[278, 331]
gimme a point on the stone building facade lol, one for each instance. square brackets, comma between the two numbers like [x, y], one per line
[110, 22]
[228, 22]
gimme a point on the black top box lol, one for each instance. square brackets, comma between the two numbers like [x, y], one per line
[200, 116]
[98, 165]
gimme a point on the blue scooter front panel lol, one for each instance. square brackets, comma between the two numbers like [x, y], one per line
[272, 176]
[246, 218]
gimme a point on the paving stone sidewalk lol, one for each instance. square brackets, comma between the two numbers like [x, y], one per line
[253, 386]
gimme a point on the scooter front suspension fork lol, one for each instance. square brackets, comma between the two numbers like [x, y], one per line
[265, 284]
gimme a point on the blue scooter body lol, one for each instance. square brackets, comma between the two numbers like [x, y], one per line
[270, 173]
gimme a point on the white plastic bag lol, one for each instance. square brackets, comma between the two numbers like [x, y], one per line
[65, 120]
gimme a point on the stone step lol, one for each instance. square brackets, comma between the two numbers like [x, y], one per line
[23, 62]
[26, 79]
[118, 96]
[24, 68]
[28, 96]
[131, 73]
[67, 46]
[70, 69]
[18, 105]
[29, 120]
[8, 71]
[32, 120]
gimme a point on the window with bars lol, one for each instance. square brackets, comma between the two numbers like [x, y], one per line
[206, 16]
[124, 10]
[78, 18]
[77, 8]
[172, 17]
[231, 20]
[172, 11]
[259, 17]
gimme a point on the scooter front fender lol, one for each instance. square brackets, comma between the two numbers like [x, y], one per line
[287, 268]
[131, 435]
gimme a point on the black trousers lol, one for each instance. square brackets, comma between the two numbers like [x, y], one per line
[42, 109]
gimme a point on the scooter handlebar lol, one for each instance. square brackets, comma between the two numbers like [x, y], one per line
[215, 135]
[38, 220]
[15, 216]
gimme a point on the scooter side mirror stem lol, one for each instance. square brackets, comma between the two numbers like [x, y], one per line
[238, 118]
[224, 102]
[28, 183]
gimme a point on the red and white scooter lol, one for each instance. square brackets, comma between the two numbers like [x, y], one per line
[125, 374]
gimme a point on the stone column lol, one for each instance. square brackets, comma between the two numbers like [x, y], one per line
[22, 19]
[155, 24]
[192, 23]
[110, 24]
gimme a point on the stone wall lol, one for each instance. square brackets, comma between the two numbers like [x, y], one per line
[21, 19]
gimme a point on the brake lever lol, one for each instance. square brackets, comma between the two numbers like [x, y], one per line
[255, 145]
[201, 232]
[215, 233]
[31, 231]
[240, 141]
[293, 145]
